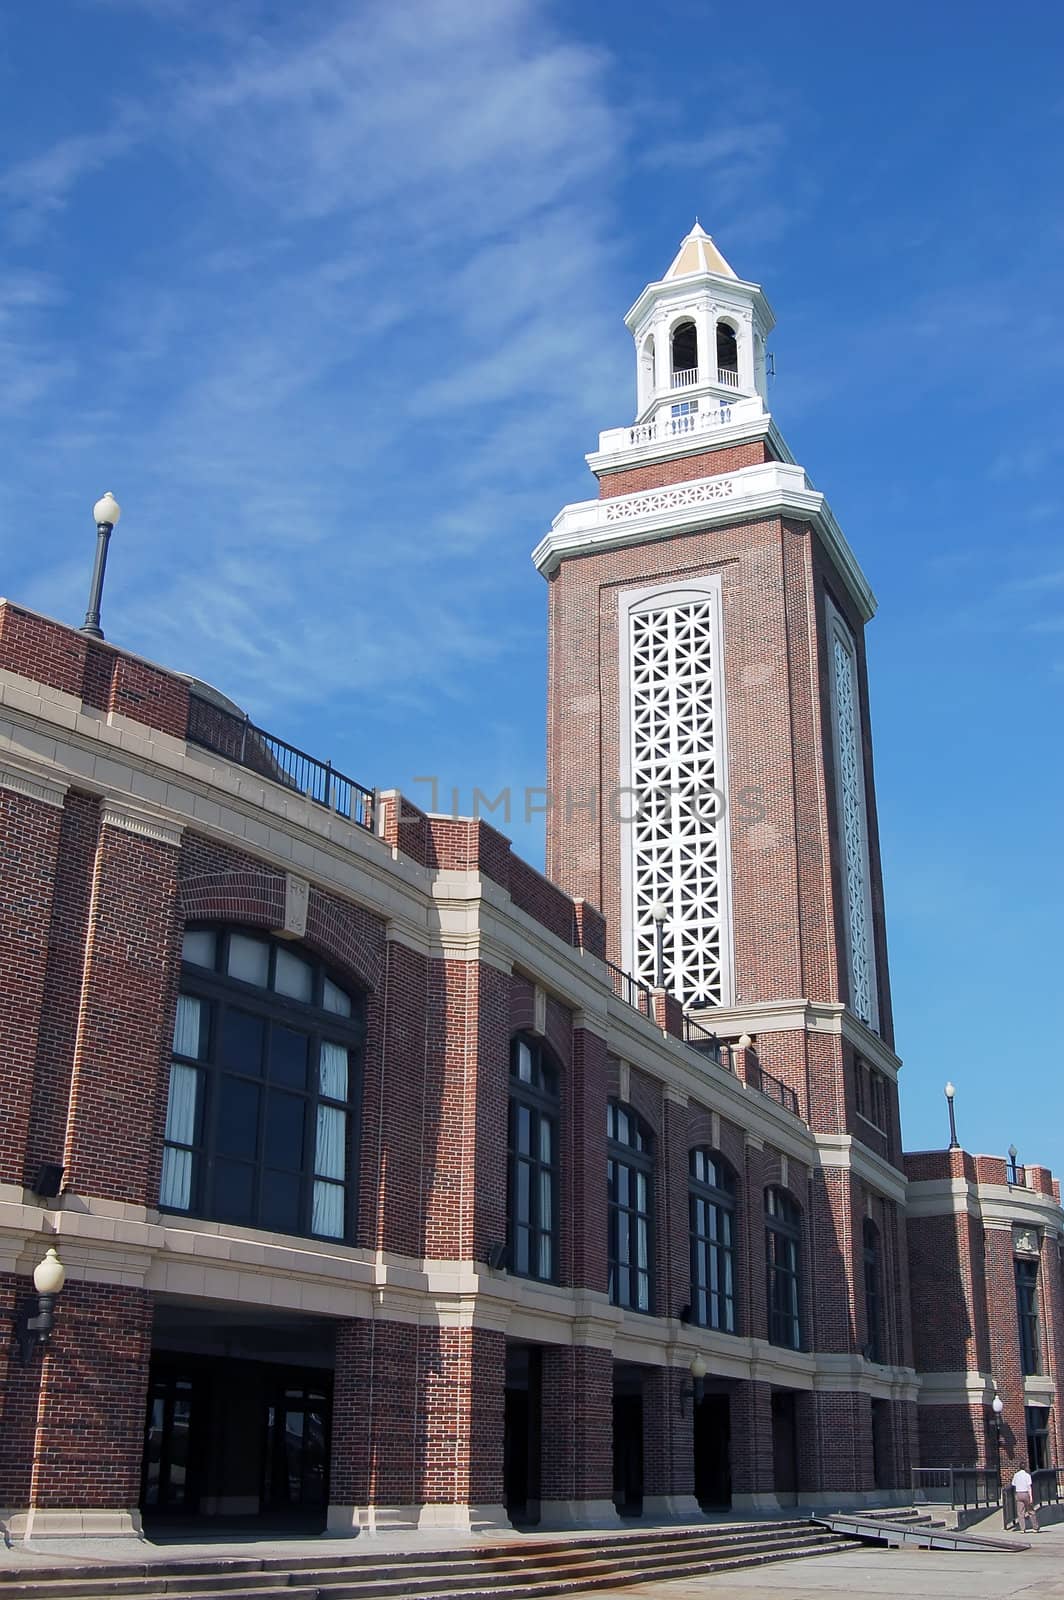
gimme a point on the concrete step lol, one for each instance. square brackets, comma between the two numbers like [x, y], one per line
[515, 1571]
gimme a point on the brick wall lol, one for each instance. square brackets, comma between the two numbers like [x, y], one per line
[682, 469]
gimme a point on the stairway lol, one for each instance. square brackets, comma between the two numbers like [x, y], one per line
[516, 1571]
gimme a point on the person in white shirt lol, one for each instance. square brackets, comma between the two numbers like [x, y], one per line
[1023, 1484]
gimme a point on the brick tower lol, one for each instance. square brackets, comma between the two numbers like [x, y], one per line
[709, 752]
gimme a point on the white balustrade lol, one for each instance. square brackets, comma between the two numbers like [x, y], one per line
[686, 378]
[728, 377]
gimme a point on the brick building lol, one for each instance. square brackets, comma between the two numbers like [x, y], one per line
[397, 1184]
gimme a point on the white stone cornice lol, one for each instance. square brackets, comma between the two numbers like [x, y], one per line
[115, 813]
[773, 489]
[842, 1150]
[955, 1389]
[997, 1205]
[798, 1016]
[24, 780]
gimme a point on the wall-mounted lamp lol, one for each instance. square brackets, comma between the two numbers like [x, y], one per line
[950, 1092]
[49, 1276]
[694, 1385]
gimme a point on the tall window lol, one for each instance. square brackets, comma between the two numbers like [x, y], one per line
[1037, 1420]
[712, 1203]
[630, 1168]
[533, 1161]
[1027, 1313]
[260, 1122]
[873, 1293]
[853, 818]
[783, 1233]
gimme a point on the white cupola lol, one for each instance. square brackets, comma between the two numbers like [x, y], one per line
[700, 335]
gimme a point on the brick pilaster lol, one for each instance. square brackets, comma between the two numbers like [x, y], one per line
[29, 848]
[752, 1464]
[577, 1451]
[583, 1174]
[121, 1063]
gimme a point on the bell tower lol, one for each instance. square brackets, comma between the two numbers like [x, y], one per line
[700, 336]
[709, 753]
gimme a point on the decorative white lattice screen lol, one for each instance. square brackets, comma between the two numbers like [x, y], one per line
[854, 837]
[676, 770]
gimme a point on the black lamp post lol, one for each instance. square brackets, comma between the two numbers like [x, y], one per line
[950, 1092]
[106, 513]
[659, 911]
[996, 1408]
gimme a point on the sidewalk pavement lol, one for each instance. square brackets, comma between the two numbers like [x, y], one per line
[871, 1573]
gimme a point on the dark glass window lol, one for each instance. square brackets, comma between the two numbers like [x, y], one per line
[873, 1295]
[712, 1205]
[630, 1171]
[1037, 1419]
[533, 1162]
[1027, 1313]
[783, 1234]
[260, 1122]
[872, 1097]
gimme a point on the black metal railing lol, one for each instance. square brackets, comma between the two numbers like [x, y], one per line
[237, 738]
[705, 1041]
[633, 991]
[773, 1087]
[964, 1488]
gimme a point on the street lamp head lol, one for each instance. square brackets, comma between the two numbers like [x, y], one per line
[698, 1368]
[106, 511]
[997, 1406]
[49, 1275]
[659, 911]
[1013, 1153]
[950, 1091]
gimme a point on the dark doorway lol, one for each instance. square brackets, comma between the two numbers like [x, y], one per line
[173, 1444]
[784, 1446]
[628, 1441]
[882, 1472]
[238, 1423]
[712, 1425]
[296, 1465]
[522, 1433]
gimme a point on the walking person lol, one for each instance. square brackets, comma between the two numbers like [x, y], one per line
[1023, 1486]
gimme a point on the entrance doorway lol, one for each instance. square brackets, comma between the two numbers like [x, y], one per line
[522, 1433]
[628, 1440]
[712, 1445]
[238, 1425]
[785, 1446]
[882, 1472]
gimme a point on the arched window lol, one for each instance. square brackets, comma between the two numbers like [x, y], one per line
[727, 356]
[532, 1162]
[630, 1170]
[712, 1203]
[264, 1086]
[646, 368]
[783, 1244]
[873, 1295]
[684, 355]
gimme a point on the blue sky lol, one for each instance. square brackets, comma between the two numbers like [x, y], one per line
[331, 297]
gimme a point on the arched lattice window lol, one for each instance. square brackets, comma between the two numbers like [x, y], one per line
[783, 1247]
[264, 1087]
[712, 1206]
[684, 355]
[533, 1162]
[873, 1290]
[630, 1172]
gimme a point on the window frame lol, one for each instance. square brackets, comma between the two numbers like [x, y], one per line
[722, 1197]
[543, 1105]
[1026, 1276]
[638, 1161]
[219, 992]
[783, 1263]
[872, 1260]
